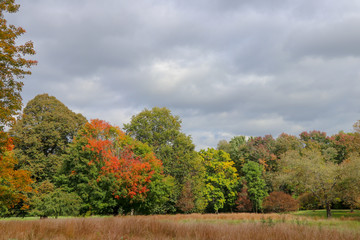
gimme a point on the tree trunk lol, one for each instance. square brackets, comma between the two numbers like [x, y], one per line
[328, 210]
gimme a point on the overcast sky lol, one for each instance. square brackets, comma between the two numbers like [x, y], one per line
[226, 67]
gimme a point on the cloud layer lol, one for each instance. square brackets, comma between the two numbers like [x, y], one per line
[225, 67]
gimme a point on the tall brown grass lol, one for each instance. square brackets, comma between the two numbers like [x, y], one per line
[194, 226]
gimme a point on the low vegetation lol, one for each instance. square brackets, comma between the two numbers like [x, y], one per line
[191, 226]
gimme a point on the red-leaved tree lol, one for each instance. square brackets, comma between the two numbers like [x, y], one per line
[108, 169]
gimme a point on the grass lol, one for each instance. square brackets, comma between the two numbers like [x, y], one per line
[192, 226]
[335, 214]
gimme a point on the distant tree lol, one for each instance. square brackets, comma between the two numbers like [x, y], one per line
[286, 143]
[262, 151]
[221, 181]
[42, 135]
[162, 131]
[13, 65]
[344, 144]
[315, 140]
[255, 183]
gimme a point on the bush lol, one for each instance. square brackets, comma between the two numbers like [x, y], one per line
[280, 202]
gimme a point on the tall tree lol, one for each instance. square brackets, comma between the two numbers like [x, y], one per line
[109, 170]
[13, 65]
[255, 183]
[162, 131]
[349, 187]
[308, 170]
[221, 180]
[42, 135]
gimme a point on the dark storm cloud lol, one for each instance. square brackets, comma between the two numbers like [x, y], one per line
[225, 67]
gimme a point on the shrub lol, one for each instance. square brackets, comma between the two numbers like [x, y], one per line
[280, 202]
[243, 203]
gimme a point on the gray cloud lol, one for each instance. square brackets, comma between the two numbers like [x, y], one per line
[225, 67]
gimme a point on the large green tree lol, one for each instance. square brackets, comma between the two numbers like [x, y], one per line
[42, 135]
[310, 170]
[162, 131]
[255, 183]
[13, 65]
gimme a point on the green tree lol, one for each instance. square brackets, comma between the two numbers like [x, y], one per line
[54, 202]
[162, 131]
[349, 187]
[308, 171]
[42, 135]
[13, 65]
[221, 181]
[256, 186]
[238, 150]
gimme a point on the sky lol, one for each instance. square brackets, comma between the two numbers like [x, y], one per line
[226, 67]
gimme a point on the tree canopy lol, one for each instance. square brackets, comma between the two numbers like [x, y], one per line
[13, 65]
[161, 130]
[109, 170]
[42, 135]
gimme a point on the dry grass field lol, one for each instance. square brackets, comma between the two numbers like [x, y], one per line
[194, 226]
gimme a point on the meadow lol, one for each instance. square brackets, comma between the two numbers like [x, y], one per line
[181, 226]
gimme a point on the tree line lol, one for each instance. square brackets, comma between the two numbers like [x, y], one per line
[70, 166]
[54, 162]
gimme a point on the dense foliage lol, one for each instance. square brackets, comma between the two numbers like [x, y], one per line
[42, 135]
[13, 65]
[162, 131]
[14, 183]
[110, 171]
[87, 168]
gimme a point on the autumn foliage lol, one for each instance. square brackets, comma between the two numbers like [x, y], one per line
[13, 65]
[108, 169]
[14, 184]
[115, 152]
[243, 203]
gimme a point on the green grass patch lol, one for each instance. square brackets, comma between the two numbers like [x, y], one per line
[336, 213]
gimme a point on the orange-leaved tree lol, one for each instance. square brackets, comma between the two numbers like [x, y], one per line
[109, 170]
[13, 65]
[14, 184]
